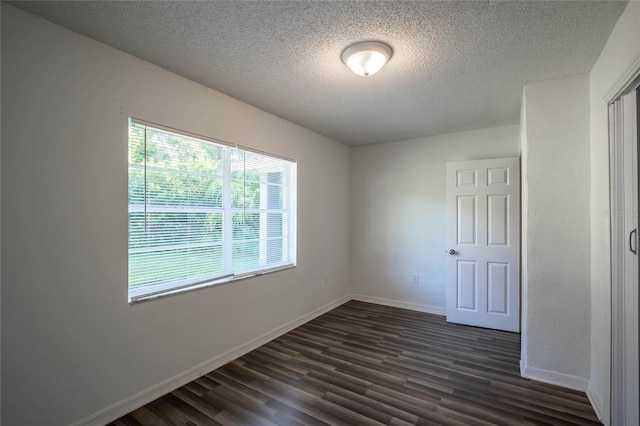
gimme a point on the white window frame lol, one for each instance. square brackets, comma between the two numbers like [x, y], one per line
[288, 235]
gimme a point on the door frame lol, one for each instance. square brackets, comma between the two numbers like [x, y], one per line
[618, 241]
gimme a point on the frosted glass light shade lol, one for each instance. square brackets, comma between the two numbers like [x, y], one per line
[366, 58]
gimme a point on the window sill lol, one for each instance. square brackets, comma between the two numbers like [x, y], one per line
[221, 281]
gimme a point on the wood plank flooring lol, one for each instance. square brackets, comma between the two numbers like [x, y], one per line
[366, 364]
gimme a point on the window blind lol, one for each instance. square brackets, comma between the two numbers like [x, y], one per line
[202, 212]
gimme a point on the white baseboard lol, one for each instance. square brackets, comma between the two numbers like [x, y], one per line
[437, 310]
[554, 378]
[141, 398]
[567, 381]
[597, 402]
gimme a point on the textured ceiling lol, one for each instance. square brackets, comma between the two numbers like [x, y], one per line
[456, 65]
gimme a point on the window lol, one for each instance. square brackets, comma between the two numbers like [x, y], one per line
[202, 212]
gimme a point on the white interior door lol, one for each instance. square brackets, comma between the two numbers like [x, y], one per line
[625, 376]
[483, 235]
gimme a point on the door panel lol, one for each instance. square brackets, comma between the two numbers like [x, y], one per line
[466, 178]
[467, 285]
[483, 229]
[467, 219]
[498, 176]
[498, 283]
[498, 222]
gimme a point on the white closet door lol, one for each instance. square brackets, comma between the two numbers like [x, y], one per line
[625, 322]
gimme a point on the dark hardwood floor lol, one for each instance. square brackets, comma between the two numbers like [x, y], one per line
[365, 364]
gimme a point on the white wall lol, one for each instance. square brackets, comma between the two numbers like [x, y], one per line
[399, 207]
[619, 58]
[71, 344]
[555, 296]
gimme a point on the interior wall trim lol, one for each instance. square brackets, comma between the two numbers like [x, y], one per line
[597, 402]
[127, 405]
[429, 309]
[566, 381]
[554, 378]
[624, 80]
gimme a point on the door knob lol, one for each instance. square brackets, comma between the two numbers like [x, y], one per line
[451, 251]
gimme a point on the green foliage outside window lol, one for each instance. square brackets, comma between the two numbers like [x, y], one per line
[176, 224]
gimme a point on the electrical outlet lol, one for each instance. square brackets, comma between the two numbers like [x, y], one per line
[325, 280]
[415, 279]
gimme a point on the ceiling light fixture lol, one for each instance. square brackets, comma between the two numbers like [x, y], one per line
[366, 58]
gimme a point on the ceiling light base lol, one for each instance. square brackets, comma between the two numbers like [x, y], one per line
[366, 58]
